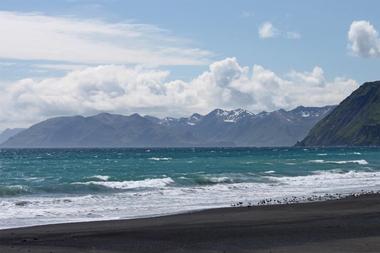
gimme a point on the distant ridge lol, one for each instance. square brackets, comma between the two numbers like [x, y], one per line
[219, 128]
[354, 122]
[8, 133]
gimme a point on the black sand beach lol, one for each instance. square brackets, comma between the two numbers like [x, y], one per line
[346, 225]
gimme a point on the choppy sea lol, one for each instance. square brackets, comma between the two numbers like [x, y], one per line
[44, 186]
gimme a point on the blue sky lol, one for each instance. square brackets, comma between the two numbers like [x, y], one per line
[229, 28]
[180, 40]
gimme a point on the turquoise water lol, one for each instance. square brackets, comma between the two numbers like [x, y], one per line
[39, 186]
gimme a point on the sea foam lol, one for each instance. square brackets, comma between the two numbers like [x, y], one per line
[361, 162]
[124, 185]
[161, 197]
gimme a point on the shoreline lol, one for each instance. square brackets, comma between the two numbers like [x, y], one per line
[350, 224]
[289, 200]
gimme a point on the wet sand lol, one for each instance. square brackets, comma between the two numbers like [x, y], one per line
[346, 225]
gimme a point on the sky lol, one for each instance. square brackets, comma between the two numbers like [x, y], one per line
[174, 58]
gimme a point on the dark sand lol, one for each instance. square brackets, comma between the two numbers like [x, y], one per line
[346, 225]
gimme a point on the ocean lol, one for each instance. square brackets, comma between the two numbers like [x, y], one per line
[45, 186]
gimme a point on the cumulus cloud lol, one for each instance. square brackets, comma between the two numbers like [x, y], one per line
[31, 36]
[268, 30]
[363, 39]
[121, 89]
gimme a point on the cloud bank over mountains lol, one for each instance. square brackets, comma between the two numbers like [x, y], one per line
[121, 68]
[123, 89]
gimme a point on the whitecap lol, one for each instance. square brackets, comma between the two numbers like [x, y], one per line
[124, 185]
[219, 179]
[331, 180]
[361, 162]
[160, 158]
[35, 179]
[100, 177]
[202, 180]
[316, 161]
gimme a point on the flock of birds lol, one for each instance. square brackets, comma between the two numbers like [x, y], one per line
[302, 199]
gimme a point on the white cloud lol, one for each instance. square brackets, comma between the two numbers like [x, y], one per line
[121, 89]
[267, 30]
[363, 39]
[31, 36]
[62, 67]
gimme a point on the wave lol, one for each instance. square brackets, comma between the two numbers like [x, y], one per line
[219, 180]
[37, 210]
[333, 179]
[317, 161]
[349, 153]
[126, 185]
[361, 162]
[160, 158]
[269, 172]
[204, 180]
[100, 177]
[13, 190]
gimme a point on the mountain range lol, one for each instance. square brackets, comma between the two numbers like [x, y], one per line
[219, 128]
[354, 122]
[8, 133]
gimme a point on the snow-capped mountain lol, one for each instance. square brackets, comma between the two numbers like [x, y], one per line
[218, 128]
[311, 111]
[232, 116]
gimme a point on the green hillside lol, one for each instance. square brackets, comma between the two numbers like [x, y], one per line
[355, 122]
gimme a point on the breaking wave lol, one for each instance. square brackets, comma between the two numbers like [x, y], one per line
[100, 177]
[202, 180]
[13, 190]
[361, 162]
[126, 185]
